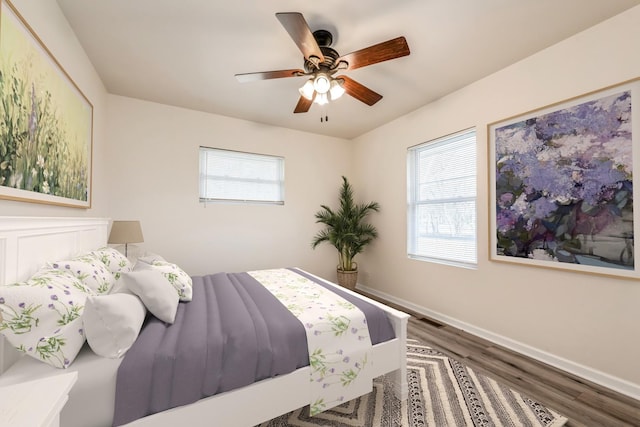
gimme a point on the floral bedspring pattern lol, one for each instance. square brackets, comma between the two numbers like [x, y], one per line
[337, 336]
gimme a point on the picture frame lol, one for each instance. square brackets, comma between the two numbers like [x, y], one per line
[561, 191]
[46, 122]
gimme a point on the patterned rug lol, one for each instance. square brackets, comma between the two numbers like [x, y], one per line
[442, 392]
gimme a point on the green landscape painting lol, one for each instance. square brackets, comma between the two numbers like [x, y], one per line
[45, 122]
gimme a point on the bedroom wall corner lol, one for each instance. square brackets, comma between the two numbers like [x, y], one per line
[52, 28]
[153, 160]
[587, 320]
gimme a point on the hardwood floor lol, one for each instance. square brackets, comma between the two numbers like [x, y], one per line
[583, 402]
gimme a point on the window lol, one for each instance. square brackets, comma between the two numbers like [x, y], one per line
[233, 176]
[442, 200]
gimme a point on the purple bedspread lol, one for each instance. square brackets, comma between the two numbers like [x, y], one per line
[233, 333]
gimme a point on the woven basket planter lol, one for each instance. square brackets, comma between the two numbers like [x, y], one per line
[348, 279]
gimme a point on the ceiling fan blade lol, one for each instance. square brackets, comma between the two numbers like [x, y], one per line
[301, 34]
[265, 75]
[304, 104]
[391, 49]
[359, 92]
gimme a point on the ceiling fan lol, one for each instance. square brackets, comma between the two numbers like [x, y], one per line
[321, 62]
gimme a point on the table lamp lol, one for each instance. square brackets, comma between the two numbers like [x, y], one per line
[125, 232]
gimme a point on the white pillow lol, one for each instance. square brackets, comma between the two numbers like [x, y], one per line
[112, 323]
[42, 316]
[152, 288]
[173, 275]
[90, 270]
[149, 258]
[115, 261]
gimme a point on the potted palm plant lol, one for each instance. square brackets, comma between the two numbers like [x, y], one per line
[347, 231]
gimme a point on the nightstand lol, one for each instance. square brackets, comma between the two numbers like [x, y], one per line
[36, 403]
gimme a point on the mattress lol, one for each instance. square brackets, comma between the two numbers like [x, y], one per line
[95, 388]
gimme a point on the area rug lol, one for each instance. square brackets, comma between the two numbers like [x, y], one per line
[442, 393]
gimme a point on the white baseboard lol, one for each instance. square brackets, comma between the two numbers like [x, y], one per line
[609, 381]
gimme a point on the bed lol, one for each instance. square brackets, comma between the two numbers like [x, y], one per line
[26, 243]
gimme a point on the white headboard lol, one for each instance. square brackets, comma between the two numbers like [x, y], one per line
[27, 243]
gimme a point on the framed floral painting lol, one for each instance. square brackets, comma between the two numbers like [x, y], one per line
[45, 122]
[561, 184]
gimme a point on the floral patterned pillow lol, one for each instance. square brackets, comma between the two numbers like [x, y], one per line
[115, 261]
[174, 275]
[42, 317]
[90, 270]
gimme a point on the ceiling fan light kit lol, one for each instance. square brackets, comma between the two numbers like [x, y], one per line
[322, 88]
[321, 62]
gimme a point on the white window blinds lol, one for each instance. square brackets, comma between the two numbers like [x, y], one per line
[235, 176]
[442, 200]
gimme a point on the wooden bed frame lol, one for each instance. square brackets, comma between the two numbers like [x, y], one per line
[27, 243]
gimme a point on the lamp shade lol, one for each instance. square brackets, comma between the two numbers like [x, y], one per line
[321, 99]
[307, 89]
[125, 232]
[337, 89]
[322, 83]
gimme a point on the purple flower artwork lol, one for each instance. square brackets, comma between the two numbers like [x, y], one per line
[564, 185]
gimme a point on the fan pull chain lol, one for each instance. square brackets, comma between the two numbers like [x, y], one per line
[324, 112]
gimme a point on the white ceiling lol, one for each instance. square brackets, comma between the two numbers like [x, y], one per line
[186, 53]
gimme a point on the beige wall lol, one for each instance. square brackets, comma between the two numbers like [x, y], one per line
[590, 321]
[50, 25]
[153, 167]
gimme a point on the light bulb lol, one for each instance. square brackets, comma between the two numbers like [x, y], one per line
[307, 89]
[321, 99]
[322, 83]
[336, 90]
